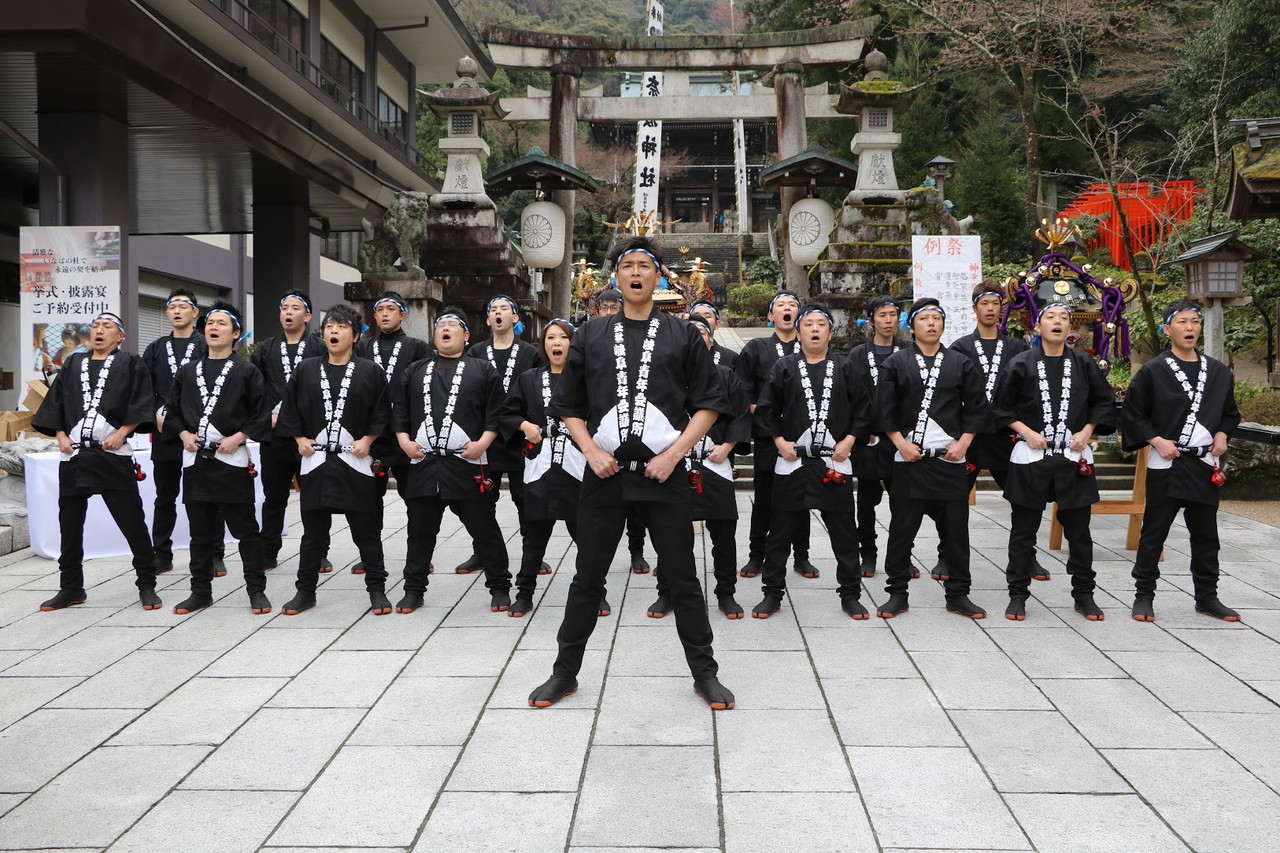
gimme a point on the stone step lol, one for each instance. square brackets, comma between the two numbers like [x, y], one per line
[16, 533]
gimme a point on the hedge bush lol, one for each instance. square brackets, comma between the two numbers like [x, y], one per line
[750, 300]
[1263, 408]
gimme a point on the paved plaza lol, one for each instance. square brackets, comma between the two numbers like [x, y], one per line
[221, 731]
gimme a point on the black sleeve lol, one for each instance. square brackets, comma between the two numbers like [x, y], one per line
[705, 390]
[773, 397]
[746, 369]
[400, 413]
[174, 422]
[1102, 400]
[1004, 402]
[859, 401]
[738, 429]
[1230, 410]
[886, 399]
[149, 358]
[496, 397]
[380, 416]
[977, 412]
[258, 425]
[290, 423]
[1136, 424]
[141, 408]
[515, 410]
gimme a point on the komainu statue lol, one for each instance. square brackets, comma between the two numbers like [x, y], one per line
[398, 235]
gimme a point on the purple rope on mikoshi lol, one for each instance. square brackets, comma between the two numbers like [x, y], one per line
[1023, 298]
[1112, 315]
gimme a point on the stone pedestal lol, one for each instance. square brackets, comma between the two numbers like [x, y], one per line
[423, 297]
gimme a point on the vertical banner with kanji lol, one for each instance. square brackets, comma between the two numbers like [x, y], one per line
[741, 190]
[67, 276]
[947, 268]
[649, 133]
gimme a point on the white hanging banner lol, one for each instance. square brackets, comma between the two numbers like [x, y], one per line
[947, 268]
[741, 190]
[649, 133]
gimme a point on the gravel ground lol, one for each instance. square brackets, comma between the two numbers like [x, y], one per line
[1267, 512]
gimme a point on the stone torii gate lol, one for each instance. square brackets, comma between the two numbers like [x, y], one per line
[784, 55]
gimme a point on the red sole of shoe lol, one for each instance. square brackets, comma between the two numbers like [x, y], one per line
[755, 615]
[808, 576]
[1223, 618]
[1041, 577]
[547, 572]
[357, 571]
[176, 610]
[1012, 618]
[734, 615]
[868, 574]
[859, 616]
[747, 574]
[497, 610]
[641, 571]
[716, 706]
[915, 576]
[516, 614]
[405, 609]
[325, 571]
[261, 611]
[547, 703]
[883, 614]
[969, 615]
[64, 607]
[938, 577]
[381, 611]
[1144, 619]
[294, 612]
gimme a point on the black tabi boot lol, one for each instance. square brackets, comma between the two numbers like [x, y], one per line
[64, 599]
[469, 566]
[853, 607]
[259, 603]
[164, 568]
[604, 608]
[196, 601]
[660, 607]
[219, 568]
[895, 606]
[1143, 609]
[717, 696]
[544, 569]
[325, 566]
[804, 568]
[639, 565]
[553, 690]
[301, 601]
[1215, 608]
[148, 599]
[1017, 609]
[1088, 608]
[1039, 572]
[379, 603]
[730, 607]
[751, 569]
[499, 601]
[409, 603]
[939, 572]
[768, 606]
[522, 605]
[962, 605]
[357, 568]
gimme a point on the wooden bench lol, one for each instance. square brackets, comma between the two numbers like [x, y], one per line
[1133, 506]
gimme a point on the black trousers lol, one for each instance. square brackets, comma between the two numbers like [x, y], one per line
[952, 519]
[533, 549]
[724, 556]
[764, 454]
[366, 533]
[164, 514]
[477, 516]
[1024, 524]
[599, 532]
[844, 544]
[280, 464]
[635, 534]
[870, 491]
[206, 520]
[125, 506]
[1202, 524]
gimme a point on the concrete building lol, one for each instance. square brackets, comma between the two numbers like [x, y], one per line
[239, 143]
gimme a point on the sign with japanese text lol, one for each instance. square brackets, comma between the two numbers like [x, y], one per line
[947, 268]
[649, 133]
[67, 277]
[742, 192]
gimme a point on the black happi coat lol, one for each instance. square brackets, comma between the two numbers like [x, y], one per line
[166, 446]
[718, 498]
[242, 407]
[722, 356]
[798, 485]
[959, 406]
[327, 480]
[1157, 405]
[682, 380]
[550, 491]
[993, 444]
[1033, 481]
[266, 357]
[755, 364]
[126, 399]
[872, 459]
[476, 411]
[504, 453]
[385, 448]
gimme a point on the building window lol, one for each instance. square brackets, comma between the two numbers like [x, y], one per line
[280, 27]
[390, 114]
[343, 246]
[339, 77]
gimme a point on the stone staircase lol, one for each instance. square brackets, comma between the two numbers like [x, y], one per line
[1114, 472]
[719, 251]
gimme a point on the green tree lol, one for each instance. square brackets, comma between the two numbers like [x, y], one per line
[988, 185]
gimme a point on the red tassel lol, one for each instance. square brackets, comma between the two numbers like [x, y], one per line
[969, 467]
[695, 481]
[528, 449]
[138, 473]
[1083, 468]
[1218, 478]
[483, 483]
[833, 477]
[251, 471]
[378, 470]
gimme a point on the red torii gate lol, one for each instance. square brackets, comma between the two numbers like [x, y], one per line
[1152, 210]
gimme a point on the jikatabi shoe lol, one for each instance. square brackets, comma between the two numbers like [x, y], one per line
[867, 559]
[409, 603]
[357, 568]
[499, 601]
[962, 605]
[1088, 608]
[1040, 573]
[1215, 608]
[768, 606]
[64, 599]
[639, 565]
[194, 603]
[379, 603]
[469, 565]
[751, 569]
[522, 605]
[544, 569]
[219, 568]
[1017, 609]
[604, 608]
[895, 606]
[660, 607]
[716, 695]
[913, 573]
[300, 602]
[805, 569]
[148, 599]
[325, 566]
[553, 690]
[854, 608]
[259, 603]
[164, 568]
[940, 572]
[1143, 611]
[730, 607]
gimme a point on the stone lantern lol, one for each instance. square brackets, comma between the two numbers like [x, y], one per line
[464, 105]
[873, 99]
[1215, 276]
[940, 169]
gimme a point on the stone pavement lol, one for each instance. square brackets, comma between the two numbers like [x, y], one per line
[222, 731]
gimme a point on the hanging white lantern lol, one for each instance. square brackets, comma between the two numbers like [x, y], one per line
[542, 234]
[809, 227]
